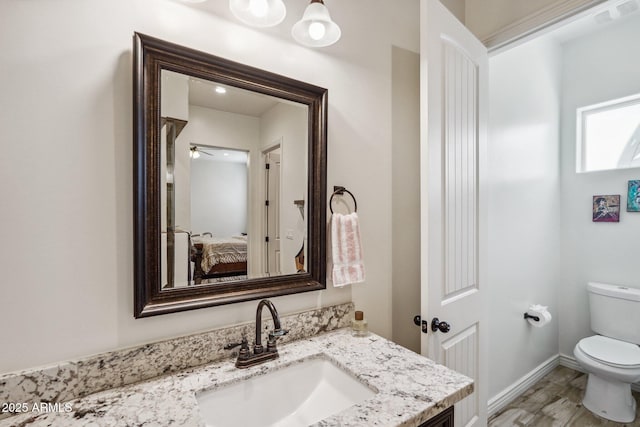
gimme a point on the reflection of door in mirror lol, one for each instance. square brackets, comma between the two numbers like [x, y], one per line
[272, 211]
[214, 223]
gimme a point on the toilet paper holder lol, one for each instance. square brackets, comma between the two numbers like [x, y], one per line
[528, 316]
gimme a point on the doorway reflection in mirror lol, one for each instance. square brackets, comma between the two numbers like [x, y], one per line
[234, 176]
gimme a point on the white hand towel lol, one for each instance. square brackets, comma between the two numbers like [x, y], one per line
[348, 262]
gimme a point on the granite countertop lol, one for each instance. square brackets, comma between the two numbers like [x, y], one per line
[411, 388]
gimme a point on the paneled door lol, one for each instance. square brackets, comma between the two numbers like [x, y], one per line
[272, 212]
[453, 104]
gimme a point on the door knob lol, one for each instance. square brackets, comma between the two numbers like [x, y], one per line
[443, 327]
[416, 320]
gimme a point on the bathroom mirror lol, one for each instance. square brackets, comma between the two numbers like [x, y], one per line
[229, 181]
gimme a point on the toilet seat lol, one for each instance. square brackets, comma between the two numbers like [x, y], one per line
[611, 352]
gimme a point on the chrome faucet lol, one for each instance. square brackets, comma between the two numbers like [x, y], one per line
[247, 359]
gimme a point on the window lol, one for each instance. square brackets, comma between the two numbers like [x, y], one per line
[609, 135]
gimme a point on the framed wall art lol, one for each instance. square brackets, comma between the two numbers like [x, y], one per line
[633, 196]
[606, 208]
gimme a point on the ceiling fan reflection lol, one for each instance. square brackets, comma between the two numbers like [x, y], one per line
[194, 152]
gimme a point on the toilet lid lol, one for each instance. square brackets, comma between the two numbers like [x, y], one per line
[610, 351]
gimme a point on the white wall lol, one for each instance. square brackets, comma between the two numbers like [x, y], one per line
[457, 7]
[524, 208]
[66, 116]
[174, 98]
[406, 197]
[225, 130]
[221, 129]
[219, 197]
[597, 68]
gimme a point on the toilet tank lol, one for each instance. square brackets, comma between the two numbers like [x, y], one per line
[615, 311]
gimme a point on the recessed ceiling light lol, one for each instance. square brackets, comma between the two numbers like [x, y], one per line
[220, 89]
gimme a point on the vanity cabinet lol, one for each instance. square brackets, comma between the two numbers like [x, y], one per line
[443, 419]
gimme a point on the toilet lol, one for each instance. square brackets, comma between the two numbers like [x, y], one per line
[611, 358]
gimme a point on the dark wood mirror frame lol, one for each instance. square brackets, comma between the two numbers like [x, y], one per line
[150, 56]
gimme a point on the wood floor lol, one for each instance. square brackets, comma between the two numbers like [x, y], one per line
[554, 401]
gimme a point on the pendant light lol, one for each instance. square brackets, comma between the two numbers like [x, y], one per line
[258, 13]
[316, 29]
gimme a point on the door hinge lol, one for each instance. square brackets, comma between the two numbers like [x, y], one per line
[266, 239]
[266, 203]
[267, 166]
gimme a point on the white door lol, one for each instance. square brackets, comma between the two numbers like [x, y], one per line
[272, 209]
[454, 105]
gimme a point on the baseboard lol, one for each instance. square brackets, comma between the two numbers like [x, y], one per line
[570, 362]
[512, 392]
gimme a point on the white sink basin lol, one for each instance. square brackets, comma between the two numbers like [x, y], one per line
[297, 395]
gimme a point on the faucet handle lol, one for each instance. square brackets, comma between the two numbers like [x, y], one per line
[244, 344]
[244, 352]
[231, 345]
[273, 336]
[278, 333]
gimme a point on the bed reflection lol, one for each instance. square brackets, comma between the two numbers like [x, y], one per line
[218, 259]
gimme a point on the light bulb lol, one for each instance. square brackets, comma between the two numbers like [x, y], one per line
[259, 8]
[317, 30]
[196, 154]
[258, 13]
